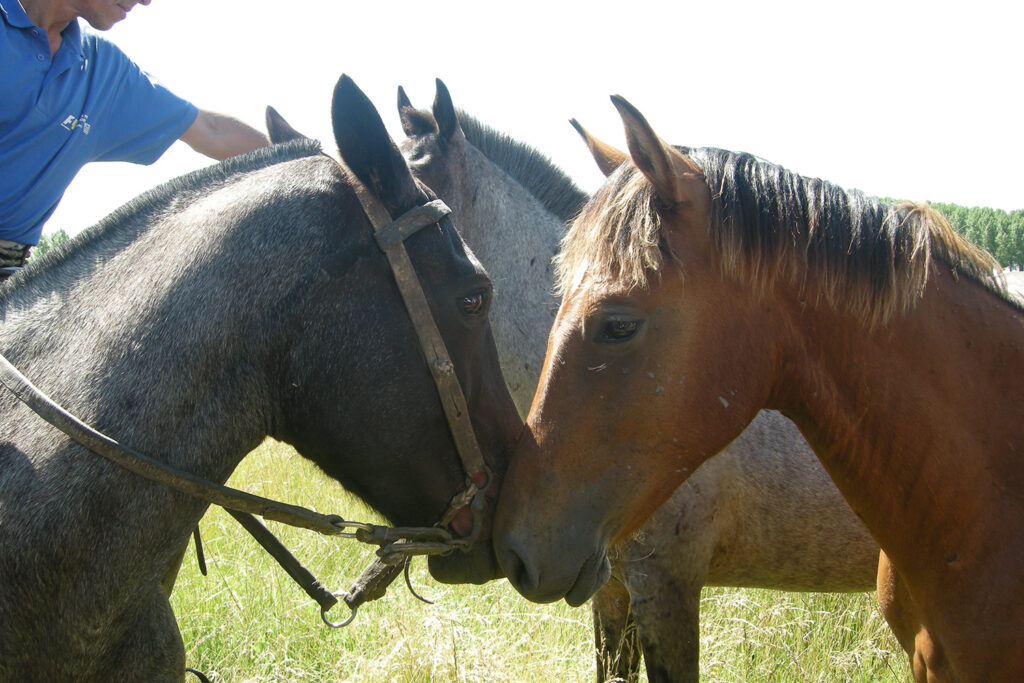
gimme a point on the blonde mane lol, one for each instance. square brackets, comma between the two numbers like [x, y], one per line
[854, 252]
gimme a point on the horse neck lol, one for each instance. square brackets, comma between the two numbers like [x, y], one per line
[115, 349]
[917, 421]
[143, 349]
[515, 237]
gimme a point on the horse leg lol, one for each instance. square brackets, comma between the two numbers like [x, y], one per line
[615, 635]
[668, 620]
[665, 565]
[927, 657]
[152, 650]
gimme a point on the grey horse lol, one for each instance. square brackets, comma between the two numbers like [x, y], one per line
[244, 300]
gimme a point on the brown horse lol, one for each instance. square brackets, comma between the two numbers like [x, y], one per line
[700, 286]
[762, 514]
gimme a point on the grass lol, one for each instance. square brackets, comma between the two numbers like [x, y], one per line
[761, 635]
[247, 621]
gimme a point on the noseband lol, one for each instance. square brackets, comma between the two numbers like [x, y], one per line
[396, 545]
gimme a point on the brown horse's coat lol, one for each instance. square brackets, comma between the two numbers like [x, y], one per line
[763, 513]
[692, 301]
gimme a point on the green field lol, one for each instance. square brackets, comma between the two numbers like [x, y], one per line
[247, 621]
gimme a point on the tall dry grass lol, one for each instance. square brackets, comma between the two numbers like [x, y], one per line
[247, 621]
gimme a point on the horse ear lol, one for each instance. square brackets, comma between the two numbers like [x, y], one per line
[675, 177]
[280, 130]
[607, 157]
[444, 113]
[415, 123]
[368, 150]
[403, 100]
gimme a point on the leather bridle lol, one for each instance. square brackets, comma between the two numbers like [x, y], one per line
[397, 544]
[390, 237]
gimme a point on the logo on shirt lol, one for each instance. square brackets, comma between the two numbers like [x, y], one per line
[77, 123]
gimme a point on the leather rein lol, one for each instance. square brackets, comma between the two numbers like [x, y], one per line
[396, 544]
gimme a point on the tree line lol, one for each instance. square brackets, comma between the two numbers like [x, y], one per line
[48, 241]
[999, 232]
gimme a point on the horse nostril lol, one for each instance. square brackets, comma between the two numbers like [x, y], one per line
[519, 572]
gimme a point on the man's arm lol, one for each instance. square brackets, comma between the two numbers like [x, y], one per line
[219, 136]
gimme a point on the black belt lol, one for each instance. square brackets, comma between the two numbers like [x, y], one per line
[12, 256]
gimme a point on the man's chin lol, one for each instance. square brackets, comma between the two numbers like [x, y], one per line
[107, 21]
[479, 565]
[104, 24]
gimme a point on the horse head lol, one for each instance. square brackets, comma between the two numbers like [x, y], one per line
[510, 204]
[634, 394]
[436, 149]
[379, 426]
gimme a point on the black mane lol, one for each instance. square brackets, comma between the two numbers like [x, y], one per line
[868, 256]
[764, 213]
[530, 168]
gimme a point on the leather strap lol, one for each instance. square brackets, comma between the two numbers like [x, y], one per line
[438, 360]
[146, 467]
[276, 549]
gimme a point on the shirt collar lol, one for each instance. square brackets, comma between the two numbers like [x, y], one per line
[14, 14]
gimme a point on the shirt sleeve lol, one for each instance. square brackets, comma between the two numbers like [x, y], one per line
[141, 117]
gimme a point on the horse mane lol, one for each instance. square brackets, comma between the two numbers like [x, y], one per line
[159, 199]
[530, 168]
[865, 255]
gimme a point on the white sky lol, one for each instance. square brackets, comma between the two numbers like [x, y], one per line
[915, 100]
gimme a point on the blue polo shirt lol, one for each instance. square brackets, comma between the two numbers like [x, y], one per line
[88, 103]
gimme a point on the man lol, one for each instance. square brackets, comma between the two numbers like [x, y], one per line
[68, 98]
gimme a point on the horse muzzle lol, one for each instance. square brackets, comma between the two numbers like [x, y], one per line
[474, 522]
[572, 576]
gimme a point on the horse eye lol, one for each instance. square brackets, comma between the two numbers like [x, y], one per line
[619, 330]
[473, 304]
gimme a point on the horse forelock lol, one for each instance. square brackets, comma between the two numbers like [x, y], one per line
[616, 237]
[860, 254]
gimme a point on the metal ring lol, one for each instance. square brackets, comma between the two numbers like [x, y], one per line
[339, 624]
[344, 523]
[340, 523]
